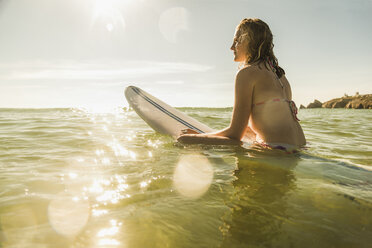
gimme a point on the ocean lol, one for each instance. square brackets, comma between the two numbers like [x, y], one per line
[74, 178]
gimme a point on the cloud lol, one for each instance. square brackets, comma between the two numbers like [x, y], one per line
[111, 70]
[170, 82]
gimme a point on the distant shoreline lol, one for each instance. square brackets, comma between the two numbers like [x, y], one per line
[349, 102]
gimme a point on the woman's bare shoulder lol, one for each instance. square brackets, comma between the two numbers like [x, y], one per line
[249, 75]
[248, 72]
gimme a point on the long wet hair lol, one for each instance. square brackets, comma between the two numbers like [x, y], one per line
[259, 44]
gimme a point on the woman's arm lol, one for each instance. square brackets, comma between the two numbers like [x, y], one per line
[250, 134]
[239, 121]
[207, 139]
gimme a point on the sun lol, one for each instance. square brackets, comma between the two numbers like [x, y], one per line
[103, 8]
[108, 12]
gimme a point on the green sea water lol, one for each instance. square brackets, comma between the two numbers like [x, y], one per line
[73, 178]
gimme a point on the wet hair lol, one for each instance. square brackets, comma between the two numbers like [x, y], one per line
[259, 44]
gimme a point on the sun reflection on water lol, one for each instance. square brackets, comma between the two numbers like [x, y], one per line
[111, 242]
[100, 152]
[144, 184]
[95, 187]
[110, 195]
[154, 144]
[72, 175]
[108, 231]
[106, 161]
[107, 235]
[109, 191]
[99, 212]
[120, 151]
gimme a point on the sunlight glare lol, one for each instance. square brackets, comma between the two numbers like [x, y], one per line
[109, 191]
[111, 242]
[108, 231]
[108, 12]
[99, 212]
[143, 184]
[107, 234]
[110, 27]
[96, 187]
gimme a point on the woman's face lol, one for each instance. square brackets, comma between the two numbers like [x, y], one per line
[239, 47]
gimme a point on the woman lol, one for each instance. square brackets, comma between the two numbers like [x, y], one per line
[263, 108]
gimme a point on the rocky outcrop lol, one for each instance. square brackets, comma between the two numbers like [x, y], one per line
[315, 104]
[302, 106]
[336, 103]
[355, 102]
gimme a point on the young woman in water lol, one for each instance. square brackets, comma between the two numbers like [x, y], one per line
[263, 108]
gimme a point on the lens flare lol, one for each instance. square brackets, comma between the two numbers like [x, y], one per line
[172, 21]
[68, 215]
[193, 176]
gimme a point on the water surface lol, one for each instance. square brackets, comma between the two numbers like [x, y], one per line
[72, 178]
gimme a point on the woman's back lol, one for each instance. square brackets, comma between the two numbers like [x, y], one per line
[263, 108]
[271, 117]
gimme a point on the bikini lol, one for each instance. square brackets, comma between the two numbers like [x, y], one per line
[285, 147]
[292, 104]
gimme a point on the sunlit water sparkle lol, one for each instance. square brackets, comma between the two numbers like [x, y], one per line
[75, 178]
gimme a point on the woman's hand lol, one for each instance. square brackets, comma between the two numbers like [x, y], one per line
[207, 139]
[187, 135]
[185, 138]
[188, 131]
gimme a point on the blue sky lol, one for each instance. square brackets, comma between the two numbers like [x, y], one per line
[75, 53]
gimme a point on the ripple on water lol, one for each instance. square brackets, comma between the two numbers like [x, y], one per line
[77, 178]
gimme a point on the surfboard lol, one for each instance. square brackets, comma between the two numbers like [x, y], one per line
[160, 116]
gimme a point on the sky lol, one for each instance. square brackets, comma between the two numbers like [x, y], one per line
[83, 53]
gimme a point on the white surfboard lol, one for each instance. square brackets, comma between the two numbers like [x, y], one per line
[160, 116]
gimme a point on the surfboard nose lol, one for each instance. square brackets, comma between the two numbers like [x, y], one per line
[129, 89]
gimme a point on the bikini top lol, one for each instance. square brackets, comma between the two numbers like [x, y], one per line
[272, 100]
[292, 105]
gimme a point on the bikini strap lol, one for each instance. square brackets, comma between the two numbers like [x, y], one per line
[294, 109]
[274, 70]
[292, 106]
[272, 100]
